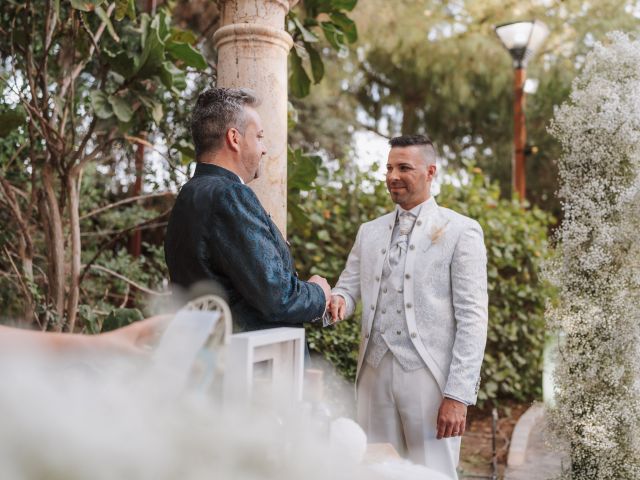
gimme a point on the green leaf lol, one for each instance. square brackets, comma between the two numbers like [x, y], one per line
[152, 56]
[101, 105]
[186, 53]
[145, 23]
[179, 81]
[317, 65]
[10, 120]
[183, 36]
[172, 77]
[298, 216]
[324, 236]
[123, 63]
[121, 317]
[125, 8]
[166, 74]
[186, 149]
[162, 23]
[107, 21]
[86, 5]
[347, 5]
[334, 36]
[302, 169]
[346, 25]
[153, 106]
[121, 108]
[307, 35]
[299, 82]
[156, 112]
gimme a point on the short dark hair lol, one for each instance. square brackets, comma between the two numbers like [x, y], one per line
[410, 140]
[419, 140]
[216, 111]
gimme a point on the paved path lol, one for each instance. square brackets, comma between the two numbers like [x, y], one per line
[541, 462]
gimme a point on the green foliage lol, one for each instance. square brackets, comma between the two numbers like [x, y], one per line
[103, 79]
[516, 241]
[121, 317]
[155, 51]
[10, 119]
[338, 29]
[447, 74]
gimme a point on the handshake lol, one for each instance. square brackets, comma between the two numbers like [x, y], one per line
[336, 305]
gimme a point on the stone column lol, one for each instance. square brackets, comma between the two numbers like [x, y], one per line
[252, 52]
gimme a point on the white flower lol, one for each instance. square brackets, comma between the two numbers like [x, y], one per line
[598, 271]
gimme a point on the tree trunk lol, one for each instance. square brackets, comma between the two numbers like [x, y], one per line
[73, 188]
[410, 120]
[26, 257]
[56, 249]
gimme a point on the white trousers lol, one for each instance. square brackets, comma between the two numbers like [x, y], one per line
[401, 408]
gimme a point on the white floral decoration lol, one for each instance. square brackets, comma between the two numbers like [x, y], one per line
[597, 270]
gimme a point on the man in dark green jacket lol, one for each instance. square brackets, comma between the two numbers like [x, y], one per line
[218, 230]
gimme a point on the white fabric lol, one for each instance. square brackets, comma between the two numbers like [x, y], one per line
[389, 330]
[445, 288]
[400, 245]
[400, 407]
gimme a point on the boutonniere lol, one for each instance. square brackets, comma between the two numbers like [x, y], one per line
[436, 233]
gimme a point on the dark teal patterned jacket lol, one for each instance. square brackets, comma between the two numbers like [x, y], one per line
[219, 232]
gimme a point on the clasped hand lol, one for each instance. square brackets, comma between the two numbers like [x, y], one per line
[335, 303]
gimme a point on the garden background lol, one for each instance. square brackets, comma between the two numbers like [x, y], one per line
[94, 145]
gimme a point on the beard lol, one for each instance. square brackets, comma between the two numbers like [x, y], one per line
[398, 196]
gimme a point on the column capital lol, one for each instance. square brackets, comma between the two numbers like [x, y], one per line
[247, 33]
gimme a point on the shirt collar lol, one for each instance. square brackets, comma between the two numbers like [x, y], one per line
[415, 211]
[212, 169]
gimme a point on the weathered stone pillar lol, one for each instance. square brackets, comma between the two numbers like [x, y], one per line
[252, 52]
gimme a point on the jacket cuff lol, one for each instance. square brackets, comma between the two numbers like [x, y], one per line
[453, 397]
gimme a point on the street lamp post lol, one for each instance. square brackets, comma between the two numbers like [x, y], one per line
[522, 40]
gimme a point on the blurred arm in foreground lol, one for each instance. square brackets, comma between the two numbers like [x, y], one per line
[131, 339]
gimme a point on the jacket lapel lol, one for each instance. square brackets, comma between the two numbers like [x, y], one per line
[382, 239]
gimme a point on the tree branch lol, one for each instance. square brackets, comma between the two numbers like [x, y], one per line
[94, 153]
[125, 201]
[373, 129]
[111, 241]
[27, 292]
[117, 232]
[17, 214]
[94, 39]
[128, 280]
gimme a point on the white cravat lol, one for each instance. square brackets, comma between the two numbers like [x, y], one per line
[398, 249]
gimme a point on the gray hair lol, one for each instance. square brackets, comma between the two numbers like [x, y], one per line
[216, 111]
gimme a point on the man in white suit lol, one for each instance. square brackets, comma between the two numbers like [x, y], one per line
[420, 272]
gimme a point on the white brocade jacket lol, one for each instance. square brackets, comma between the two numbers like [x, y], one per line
[445, 292]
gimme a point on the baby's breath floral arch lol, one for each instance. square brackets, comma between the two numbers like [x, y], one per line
[598, 267]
